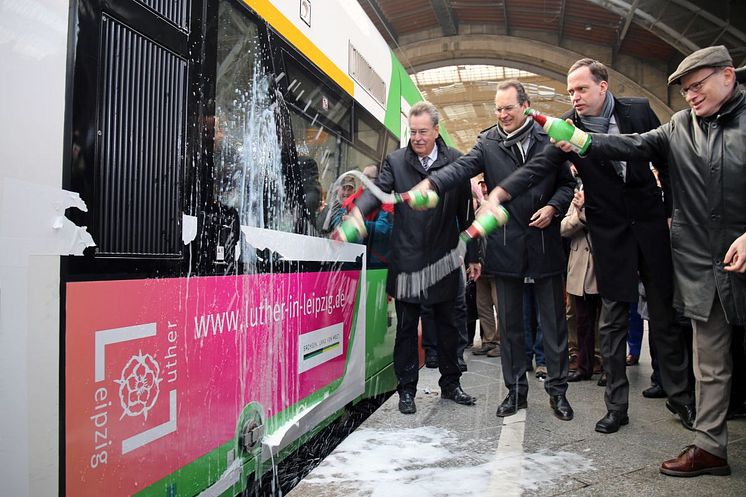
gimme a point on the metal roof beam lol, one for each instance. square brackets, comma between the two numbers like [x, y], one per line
[623, 32]
[647, 21]
[721, 23]
[671, 36]
[445, 16]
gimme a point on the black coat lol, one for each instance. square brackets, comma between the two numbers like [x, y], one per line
[420, 238]
[624, 218]
[517, 250]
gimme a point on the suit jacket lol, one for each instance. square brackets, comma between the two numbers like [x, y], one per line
[517, 250]
[419, 238]
[627, 220]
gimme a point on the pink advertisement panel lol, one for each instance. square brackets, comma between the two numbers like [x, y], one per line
[158, 371]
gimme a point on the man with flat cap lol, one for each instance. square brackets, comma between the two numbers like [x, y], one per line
[705, 149]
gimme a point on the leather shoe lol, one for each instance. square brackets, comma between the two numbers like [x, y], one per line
[694, 461]
[654, 392]
[406, 403]
[611, 422]
[483, 349]
[510, 405]
[685, 412]
[459, 397]
[577, 376]
[561, 407]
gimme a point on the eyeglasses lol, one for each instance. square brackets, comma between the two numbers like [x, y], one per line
[421, 132]
[697, 86]
[507, 108]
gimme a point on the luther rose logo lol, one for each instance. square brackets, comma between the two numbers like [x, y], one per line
[139, 385]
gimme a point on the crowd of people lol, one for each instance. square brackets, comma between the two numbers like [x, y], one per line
[650, 212]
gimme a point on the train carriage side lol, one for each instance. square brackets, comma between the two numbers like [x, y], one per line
[180, 319]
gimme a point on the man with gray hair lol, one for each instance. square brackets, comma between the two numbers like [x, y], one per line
[420, 238]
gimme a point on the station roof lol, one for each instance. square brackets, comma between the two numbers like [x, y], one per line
[659, 33]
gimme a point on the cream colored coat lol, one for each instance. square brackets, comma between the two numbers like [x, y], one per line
[581, 275]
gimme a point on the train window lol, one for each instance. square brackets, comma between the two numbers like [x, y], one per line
[367, 130]
[315, 99]
[326, 152]
[249, 178]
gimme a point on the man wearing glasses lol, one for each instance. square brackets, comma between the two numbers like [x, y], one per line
[420, 238]
[705, 148]
[529, 245]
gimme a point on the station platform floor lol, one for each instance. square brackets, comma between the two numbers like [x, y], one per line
[448, 450]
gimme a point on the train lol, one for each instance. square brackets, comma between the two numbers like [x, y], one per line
[175, 317]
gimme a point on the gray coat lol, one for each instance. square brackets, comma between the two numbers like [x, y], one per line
[707, 158]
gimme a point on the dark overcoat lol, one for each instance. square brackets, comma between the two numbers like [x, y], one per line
[517, 250]
[626, 219]
[420, 238]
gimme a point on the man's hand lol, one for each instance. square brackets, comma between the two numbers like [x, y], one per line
[578, 200]
[564, 145]
[735, 258]
[497, 196]
[543, 217]
[474, 271]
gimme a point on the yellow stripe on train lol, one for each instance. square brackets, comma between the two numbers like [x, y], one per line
[287, 29]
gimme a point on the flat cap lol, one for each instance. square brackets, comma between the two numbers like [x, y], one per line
[716, 56]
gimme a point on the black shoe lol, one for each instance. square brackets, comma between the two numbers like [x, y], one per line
[611, 422]
[561, 407]
[462, 365]
[685, 412]
[577, 376]
[602, 381]
[431, 360]
[406, 403]
[459, 397]
[510, 405]
[654, 392]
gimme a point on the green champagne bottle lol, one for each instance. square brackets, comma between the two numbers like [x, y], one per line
[560, 130]
[350, 230]
[416, 198]
[485, 224]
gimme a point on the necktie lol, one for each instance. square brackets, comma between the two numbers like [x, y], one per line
[426, 162]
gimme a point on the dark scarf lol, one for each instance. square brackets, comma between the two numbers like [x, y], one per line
[513, 140]
[600, 124]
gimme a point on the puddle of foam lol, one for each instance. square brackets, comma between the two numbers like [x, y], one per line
[433, 462]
